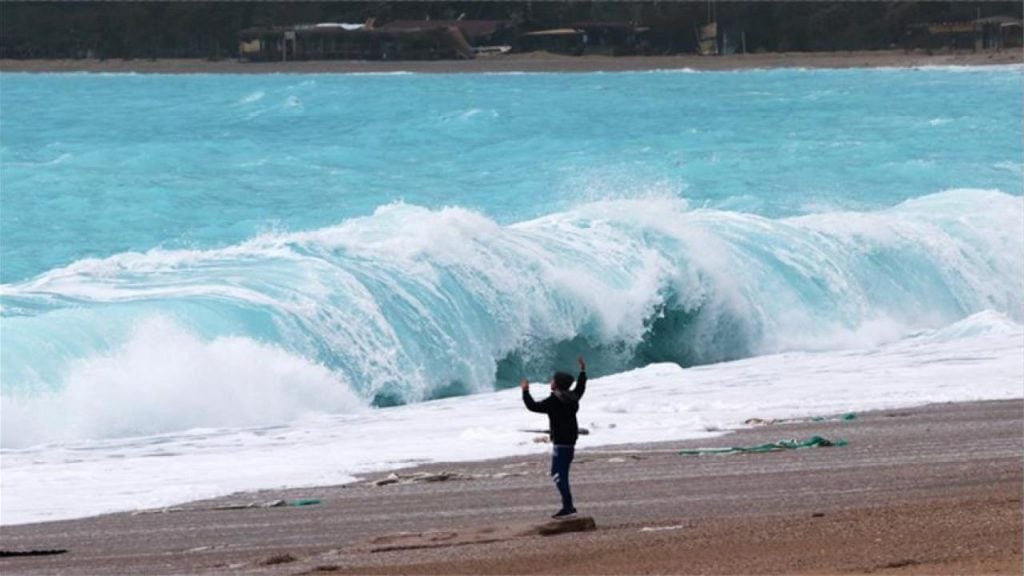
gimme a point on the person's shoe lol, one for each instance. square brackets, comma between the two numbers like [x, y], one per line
[563, 514]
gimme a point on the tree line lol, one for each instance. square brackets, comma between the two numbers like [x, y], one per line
[128, 30]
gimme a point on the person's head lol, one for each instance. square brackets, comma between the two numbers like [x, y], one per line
[561, 381]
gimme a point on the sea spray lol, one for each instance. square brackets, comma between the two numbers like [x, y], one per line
[411, 303]
[163, 379]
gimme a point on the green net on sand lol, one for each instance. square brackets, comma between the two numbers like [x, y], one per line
[812, 442]
[844, 417]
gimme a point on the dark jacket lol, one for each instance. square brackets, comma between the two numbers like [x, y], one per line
[561, 408]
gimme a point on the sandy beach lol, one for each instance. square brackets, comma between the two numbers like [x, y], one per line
[930, 490]
[530, 62]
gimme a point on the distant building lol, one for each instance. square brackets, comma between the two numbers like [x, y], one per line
[999, 32]
[476, 32]
[613, 38]
[992, 33]
[707, 39]
[399, 40]
[715, 39]
[609, 38]
[555, 40]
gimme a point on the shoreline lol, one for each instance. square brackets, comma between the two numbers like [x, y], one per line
[528, 62]
[933, 489]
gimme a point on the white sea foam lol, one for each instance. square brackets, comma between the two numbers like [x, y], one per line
[60, 159]
[972, 68]
[252, 97]
[165, 379]
[979, 358]
[410, 303]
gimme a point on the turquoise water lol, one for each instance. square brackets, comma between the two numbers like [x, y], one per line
[413, 236]
[98, 165]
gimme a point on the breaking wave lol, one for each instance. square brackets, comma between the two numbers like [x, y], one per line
[410, 304]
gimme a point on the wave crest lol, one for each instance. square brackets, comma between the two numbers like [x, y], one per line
[411, 303]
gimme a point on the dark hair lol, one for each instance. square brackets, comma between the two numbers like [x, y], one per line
[563, 380]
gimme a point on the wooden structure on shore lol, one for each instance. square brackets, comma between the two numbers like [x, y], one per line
[401, 40]
[476, 32]
[434, 40]
[991, 33]
[578, 38]
[555, 40]
[613, 38]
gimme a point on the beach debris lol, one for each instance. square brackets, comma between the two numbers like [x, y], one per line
[842, 417]
[269, 504]
[244, 506]
[571, 524]
[812, 442]
[500, 475]
[277, 559]
[624, 458]
[390, 479]
[17, 553]
[198, 549]
[662, 528]
[443, 476]
[818, 515]
[901, 563]
[158, 511]
[207, 548]
[767, 422]
[396, 478]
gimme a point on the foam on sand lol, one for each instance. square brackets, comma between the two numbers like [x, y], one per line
[977, 359]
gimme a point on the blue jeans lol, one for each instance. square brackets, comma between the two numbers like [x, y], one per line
[561, 458]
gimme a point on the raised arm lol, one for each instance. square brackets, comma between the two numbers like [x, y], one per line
[581, 380]
[531, 404]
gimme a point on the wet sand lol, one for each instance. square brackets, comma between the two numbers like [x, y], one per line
[530, 62]
[930, 490]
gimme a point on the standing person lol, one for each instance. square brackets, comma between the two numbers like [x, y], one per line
[561, 407]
